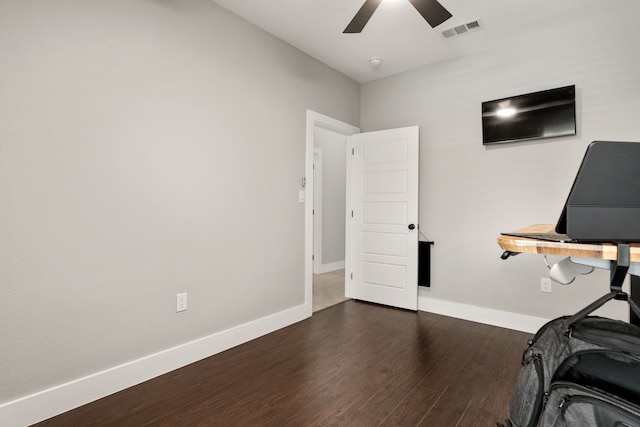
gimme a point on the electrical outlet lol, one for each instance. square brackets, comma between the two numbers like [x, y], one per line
[545, 284]
[181, 302]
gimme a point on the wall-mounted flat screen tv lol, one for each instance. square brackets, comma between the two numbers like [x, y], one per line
[545, 114]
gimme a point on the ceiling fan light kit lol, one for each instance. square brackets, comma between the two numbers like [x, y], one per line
[431, 10]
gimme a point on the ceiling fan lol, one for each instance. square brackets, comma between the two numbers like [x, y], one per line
[431, 10]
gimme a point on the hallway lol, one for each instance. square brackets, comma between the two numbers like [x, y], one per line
[328, 289]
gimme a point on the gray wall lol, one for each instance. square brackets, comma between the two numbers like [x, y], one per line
[470, 193]
[147, 147]
[334, 169]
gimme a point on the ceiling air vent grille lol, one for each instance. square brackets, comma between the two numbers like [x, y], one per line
[449, 33]
[473, 25]
[466, 28]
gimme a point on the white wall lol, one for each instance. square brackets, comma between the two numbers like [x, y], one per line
[470, 193]
[334, 168]
[147, 148]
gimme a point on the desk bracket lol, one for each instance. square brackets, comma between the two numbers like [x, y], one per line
[619, 269]
[507, 254]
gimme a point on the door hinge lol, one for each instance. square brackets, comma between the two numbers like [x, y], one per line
[351, 214]
[351, 276]
[353, 151]
[313, 257]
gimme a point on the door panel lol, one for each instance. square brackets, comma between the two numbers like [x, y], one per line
[384, 213]
[382, 274]
[382, 202]
[385, 182]
[384, 244]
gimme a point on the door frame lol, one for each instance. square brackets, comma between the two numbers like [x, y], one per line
[315, 120]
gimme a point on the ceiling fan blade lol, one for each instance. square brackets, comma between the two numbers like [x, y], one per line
[432, 11]
[362, 17]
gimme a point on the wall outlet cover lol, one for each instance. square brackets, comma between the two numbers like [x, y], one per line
[181, 302]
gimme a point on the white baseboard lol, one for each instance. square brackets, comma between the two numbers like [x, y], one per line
[489, 316]
[332, 266]
[56, 400]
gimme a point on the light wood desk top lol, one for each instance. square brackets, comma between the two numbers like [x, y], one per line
[583, 250]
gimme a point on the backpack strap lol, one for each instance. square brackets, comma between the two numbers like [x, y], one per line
[619, 269]
[589, 309]
[633, 306]
[599, 303]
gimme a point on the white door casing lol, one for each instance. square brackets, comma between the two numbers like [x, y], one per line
[382, 217]
[315, 120]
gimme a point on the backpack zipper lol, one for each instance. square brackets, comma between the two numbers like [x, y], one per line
[619, 406]
[541, 395]
[611, 338]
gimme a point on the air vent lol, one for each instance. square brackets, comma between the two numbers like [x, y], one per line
[460, 29]
[473, 25]
[466, 28]
[449, 33]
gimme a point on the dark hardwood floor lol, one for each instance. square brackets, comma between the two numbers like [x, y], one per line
[353, 364]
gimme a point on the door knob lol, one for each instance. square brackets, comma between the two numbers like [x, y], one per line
[411, 226]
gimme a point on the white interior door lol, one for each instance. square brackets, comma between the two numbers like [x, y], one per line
[382, 217]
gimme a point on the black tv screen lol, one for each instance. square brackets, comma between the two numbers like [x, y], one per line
[545, 114]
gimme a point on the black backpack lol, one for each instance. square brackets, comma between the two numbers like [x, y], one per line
[581, 371]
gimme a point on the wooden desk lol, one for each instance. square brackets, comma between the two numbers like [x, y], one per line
[543, 247]
[606, 251]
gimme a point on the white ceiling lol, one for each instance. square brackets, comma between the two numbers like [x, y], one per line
[399, 35]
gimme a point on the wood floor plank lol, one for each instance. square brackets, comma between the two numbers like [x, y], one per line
[477, 417]
[462, 374]
[353, 364]
[478, 366]
[413, 408]
[388, 396]
[504, 369]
